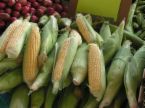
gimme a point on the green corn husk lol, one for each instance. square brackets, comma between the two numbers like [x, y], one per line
[8, 64]
[116, 73]
[16, 44]
[49, 37]
[63, 36]
[79, 66]
[69, 99]
[129, 22]
[143, 24]
[120, 99]
[134, 38]
[74, 41]
[43, 20]
[92, 36]
[91, 103]
[141, 2]
[139, 18]
[141, 93]
[2, 56]
[50, 98]
[133, 76]
[142, 35]
[65, 22]
[140, 8]
[45, 72]
[112, 44]
[10, 80]
[130, 36]
[135, 25]
[20, 98]
[74, 25]
[138, 32]
[37, 98]
[105, 31]
[89, 19]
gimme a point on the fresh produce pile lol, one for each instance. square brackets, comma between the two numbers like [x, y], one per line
[10, 10]
[137, 20]
[69, 64]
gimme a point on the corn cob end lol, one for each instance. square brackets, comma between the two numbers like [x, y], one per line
[78, 78]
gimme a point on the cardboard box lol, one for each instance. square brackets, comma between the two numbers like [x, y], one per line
[114, 9]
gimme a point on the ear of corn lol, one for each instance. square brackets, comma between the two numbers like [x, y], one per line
[64, 61]
[30, 63]
[96, 72]
[37, 98]
[8, 33]
[49, 37]
[20, 98]
[116, 73]
[16, 42]
[50, 98]
[87, 31]
[89, 19]
[133, 75]
[112, 44]
[45, 72]
[129, 21]
[10, 80]
[79, 66]
[8, 64]
[91, 103]
[105, 31]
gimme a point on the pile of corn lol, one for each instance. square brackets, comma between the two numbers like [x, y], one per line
[70, 65]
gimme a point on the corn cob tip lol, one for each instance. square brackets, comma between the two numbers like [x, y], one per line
[56, 86]
[77, 79]
[77, 35]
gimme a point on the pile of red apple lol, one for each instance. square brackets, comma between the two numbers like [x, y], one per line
[10, 10]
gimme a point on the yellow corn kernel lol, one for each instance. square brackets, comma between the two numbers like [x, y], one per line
[83, 29]
[96, 72]
[30, 62]
[61, 61]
